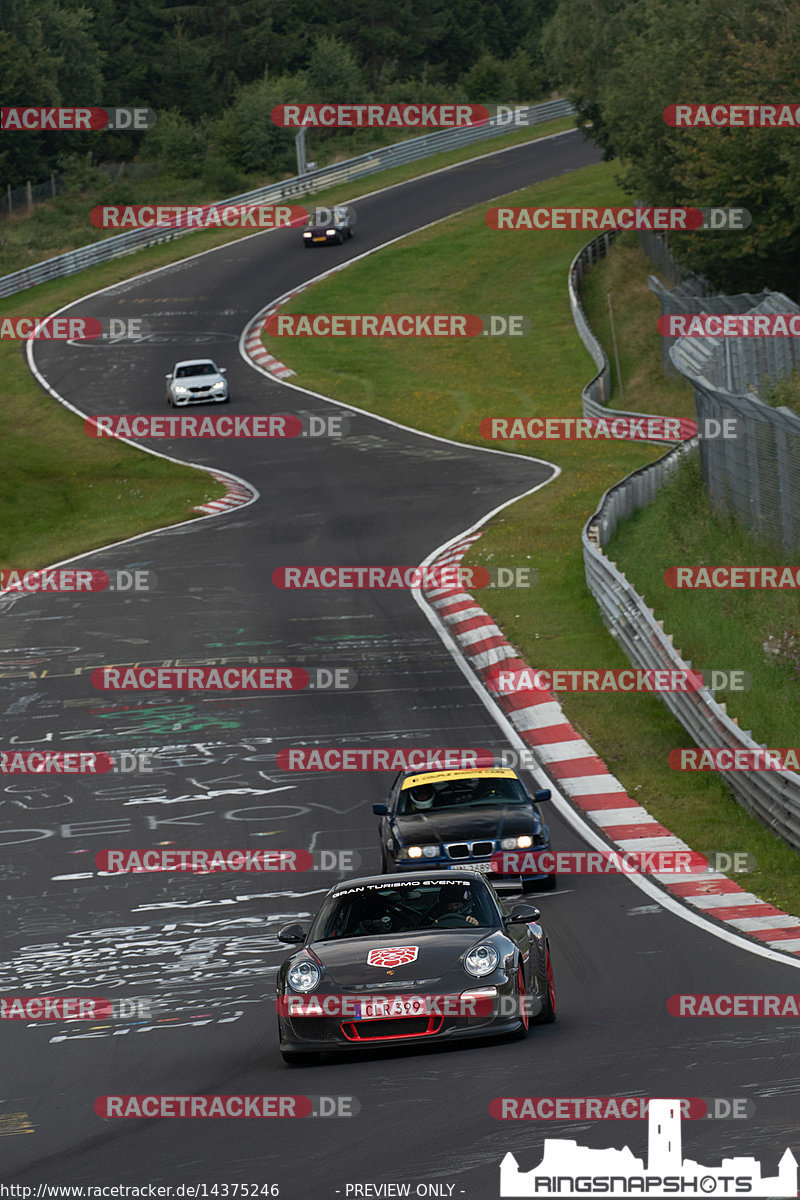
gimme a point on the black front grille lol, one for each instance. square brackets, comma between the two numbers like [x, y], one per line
[463, 850]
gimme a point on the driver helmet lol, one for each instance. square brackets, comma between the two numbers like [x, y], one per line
[422, 796]
[455, 893]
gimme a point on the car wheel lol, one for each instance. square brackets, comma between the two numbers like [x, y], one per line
[522, 995]
[548, 1013]
[307, 245]
[301, 1058]
[349, 233]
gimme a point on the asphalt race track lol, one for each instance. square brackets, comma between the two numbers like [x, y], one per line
[202, 952]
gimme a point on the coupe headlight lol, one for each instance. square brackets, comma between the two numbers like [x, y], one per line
[306, 235]
[430, 851]
[304, 975]
[220, 384]
[517, 843]
[414, 851]
[330, 232]
[481, 960]
[180, 390]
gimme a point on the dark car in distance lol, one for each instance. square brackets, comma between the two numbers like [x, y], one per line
[431, 957]
[326, 225]
[460, 818]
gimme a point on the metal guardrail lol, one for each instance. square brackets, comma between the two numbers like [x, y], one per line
[598, 389]
[353, 168]
[771, 796]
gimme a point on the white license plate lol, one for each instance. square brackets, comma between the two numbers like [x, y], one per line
[483, 868]
[390, 1006]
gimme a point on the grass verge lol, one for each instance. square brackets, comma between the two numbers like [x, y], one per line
[446, 388]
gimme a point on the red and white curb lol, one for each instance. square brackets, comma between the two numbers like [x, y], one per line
[238, 493]
[577, 771]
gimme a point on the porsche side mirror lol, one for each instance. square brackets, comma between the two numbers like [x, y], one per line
[380, 810]
[520, 914]
[293, 934]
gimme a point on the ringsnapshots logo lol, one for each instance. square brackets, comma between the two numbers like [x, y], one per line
[630, 217]
[42, 119]
[568, 1169]
[396, 325]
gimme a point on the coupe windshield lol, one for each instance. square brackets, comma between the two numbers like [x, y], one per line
[461, 793]
[195, 369]
[404, 908]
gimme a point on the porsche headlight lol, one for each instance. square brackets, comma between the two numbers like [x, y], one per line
[481, 960]
[304, 975]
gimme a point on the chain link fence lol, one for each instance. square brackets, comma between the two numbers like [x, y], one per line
[353, 168]
[757, 472]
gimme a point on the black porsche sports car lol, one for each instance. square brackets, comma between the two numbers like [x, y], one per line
[447, 819]
[328, 225]
[431, 957]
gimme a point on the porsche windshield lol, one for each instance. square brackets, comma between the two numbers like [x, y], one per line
[461, 793]
[404, 908]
